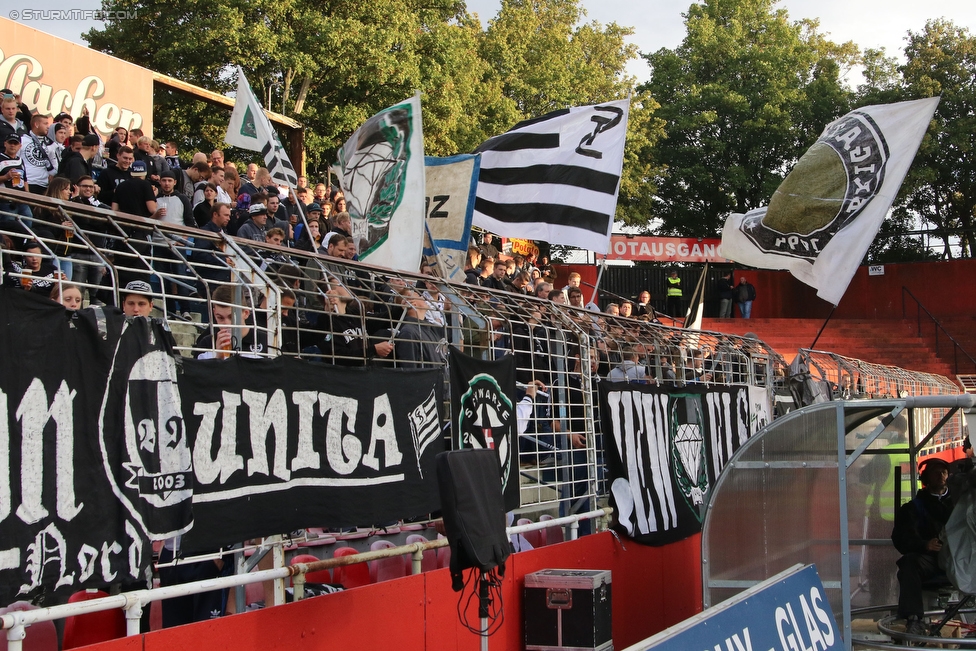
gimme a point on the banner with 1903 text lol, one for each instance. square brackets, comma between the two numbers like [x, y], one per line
[62, 529]
[109, 441]
[666, 446]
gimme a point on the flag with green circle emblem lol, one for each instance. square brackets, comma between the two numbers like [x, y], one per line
[823, 217]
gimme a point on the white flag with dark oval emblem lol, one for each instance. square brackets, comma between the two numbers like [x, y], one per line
[824, 216]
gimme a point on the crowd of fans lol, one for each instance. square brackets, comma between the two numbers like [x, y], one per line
[131, 173]
[327, 309]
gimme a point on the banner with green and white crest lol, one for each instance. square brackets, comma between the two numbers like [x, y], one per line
[382, 176]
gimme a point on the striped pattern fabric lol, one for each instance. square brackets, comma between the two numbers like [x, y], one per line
[555, 178]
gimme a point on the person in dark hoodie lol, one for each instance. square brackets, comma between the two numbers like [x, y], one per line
[344, 340]
[472, 268]
[115, 174]
[76, 164]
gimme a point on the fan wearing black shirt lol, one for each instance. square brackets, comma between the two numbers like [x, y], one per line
[135, 195]
[113, 175]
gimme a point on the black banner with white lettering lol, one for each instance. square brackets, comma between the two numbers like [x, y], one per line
[483, 413]
[62, 528]
[279, 445]
[665, 446]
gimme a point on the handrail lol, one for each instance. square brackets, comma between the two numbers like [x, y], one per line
[956, 347]
[133, 602]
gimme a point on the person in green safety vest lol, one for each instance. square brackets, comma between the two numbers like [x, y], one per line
[888, 480]
[674, 295]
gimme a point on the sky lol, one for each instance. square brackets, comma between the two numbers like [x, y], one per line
[657, 23]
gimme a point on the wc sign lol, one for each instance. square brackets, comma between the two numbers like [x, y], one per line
[788, 612]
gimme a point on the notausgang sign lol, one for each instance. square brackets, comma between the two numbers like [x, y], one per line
[788, 612]
[666, 249]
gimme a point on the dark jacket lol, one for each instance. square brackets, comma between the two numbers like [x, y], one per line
[725, 289]
[920, 520]
[745, 292]
[74, 166]
[108, 180]
[494, 283]
[6, 129]
[416, 345]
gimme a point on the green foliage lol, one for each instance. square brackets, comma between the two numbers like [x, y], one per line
[898, 241]
[941, 185]
[333, 64]
[743, 96]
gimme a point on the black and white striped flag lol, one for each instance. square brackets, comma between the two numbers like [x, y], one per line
[424, 425]
[555, 178]
[250, 128]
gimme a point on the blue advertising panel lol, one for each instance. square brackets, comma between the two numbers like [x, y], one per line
[788, 612]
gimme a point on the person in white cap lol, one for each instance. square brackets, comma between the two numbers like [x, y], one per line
[254, 228]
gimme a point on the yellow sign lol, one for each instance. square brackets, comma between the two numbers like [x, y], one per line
[524, 247]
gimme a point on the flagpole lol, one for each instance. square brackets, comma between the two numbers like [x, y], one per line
[697, 301]
[599, 277]
[820, 332]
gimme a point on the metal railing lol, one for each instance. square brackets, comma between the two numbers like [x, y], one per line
[133, 603]
[957, 350]
[854, 379]
[287, 301]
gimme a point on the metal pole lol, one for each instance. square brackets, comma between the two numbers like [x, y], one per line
[599, 277]
[15, 637]
[845, 565]
[483, 602]
[820, 332]
[133, 617]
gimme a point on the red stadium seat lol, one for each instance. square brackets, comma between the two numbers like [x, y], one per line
[319, 576]
[385, 569]
[519, 541]
[156, 615]
[82, 630]
[536, 538]
[253, 593]
[554, 534]
[350, 576]
[40, 637]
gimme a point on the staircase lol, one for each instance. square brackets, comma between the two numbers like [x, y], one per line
[888, 342]
[960, 328]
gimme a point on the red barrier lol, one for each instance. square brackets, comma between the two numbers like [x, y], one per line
[653, 588]
[936, 284]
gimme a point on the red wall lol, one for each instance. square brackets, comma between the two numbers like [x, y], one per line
[653, 588]
[945, 288]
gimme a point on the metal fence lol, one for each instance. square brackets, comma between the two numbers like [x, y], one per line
[853, 379]
[284, 301]
[220, 295]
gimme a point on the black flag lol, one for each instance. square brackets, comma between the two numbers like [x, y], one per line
[483, 413]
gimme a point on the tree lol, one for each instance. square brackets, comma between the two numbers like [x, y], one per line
[941, 185]
[743, 96]
[333, 64]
